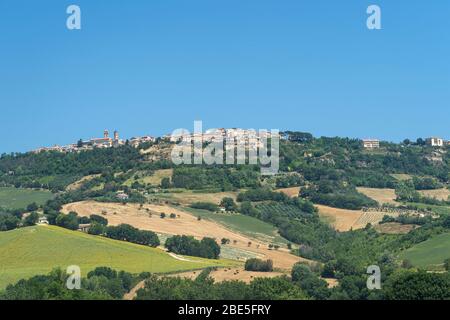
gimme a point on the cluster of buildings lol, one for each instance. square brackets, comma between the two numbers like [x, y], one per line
[433, 141]
[105, 142]
[252, 138]
[437, 142]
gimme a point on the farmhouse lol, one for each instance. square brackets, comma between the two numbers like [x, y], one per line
[122, 196]
[371, 143]
[42, 220]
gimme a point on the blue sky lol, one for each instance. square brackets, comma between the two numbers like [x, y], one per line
[148, 67]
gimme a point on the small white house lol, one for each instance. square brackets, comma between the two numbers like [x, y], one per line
[42, 220]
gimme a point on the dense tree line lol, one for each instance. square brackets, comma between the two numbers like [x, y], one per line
[102, 283]
[205, 288]
[125, 232]
[255, 264]
[186, 245]
[205, 206]
[219, 178]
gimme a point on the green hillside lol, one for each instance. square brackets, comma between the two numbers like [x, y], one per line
[247, 225]
[430, 253]
[17, 198]
[37, 250]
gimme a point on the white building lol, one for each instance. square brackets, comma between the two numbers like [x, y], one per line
[371, 143]
[435, 142]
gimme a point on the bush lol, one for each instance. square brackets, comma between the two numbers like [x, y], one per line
[68, 221]
[205, 206]
[99, 219]
[8, 222]
[187, 245]
[125, 232]
[31, 219]
[259, 265]
[96, 229]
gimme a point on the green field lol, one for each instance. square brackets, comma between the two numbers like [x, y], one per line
[15, 198]
[429, 254]
[37, 250]
[247, 225]
[441, 210]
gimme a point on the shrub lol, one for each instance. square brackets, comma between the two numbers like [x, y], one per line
[259, 265]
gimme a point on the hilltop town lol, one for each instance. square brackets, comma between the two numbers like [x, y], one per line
[251, 137]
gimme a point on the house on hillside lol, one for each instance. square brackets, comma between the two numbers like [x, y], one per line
[371, 143]
[84, 227]
[42, 220]
[122, 196]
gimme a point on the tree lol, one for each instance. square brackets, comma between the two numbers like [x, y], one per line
[447, 264]
[32, 207]
[165, 183]
[96, 229]
[228, 204]
[187, 245]
[68, 221]
[421, 285]
[255, 264]
[99, 219]
[8, 222]
[31, 219]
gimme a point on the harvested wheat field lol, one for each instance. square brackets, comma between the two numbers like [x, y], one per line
[224, 274]
[380, 195]
[291, 192]
[148, 218]
[341, 219]
[440, 194]
[345, 220]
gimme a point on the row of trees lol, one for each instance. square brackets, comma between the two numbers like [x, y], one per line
[255, 264]
[102, 283]
[186, 245]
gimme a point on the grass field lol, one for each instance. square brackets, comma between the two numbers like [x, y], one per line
[14, 198]
[429, 254]
[154, 179]
[249, 226]
[441, 210]
[401, 176]
[380, 195]
[37, 250]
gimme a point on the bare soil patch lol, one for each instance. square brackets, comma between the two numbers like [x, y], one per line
[224, 274]
[291, 192]
[440, 194]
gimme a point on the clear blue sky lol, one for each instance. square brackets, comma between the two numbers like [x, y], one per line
[148, 67]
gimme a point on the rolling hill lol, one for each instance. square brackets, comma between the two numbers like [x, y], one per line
[37, 250]
[430, 253]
